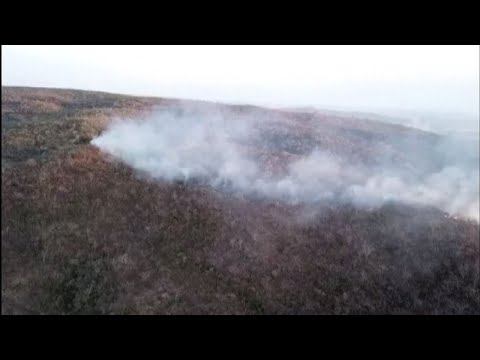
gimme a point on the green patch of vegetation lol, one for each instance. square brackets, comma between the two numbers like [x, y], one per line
[254, 303]
[80, 286]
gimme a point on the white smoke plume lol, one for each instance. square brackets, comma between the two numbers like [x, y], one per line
[221, 149]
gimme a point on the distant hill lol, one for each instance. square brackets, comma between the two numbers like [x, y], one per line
[85, 234]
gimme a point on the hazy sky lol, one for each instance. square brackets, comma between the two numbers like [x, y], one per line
[436, 78]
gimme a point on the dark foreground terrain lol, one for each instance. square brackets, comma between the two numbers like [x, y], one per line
[82, 234]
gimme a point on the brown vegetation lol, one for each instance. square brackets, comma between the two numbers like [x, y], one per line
[82, 234]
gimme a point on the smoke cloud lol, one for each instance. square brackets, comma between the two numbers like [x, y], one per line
[235, 152]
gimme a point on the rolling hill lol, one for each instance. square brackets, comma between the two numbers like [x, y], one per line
[84, 233]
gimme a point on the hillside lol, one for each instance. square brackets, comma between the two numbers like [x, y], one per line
[83, 233]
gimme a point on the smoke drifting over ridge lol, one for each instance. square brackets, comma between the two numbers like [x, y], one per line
[300, 160]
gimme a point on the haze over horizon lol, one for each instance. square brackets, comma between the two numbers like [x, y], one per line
[428, 79]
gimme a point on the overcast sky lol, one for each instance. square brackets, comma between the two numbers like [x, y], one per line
[435, 78]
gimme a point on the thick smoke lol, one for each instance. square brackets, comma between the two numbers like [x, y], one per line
[223, 151]
[183, 147]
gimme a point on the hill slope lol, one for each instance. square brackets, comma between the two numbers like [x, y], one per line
[82, 234]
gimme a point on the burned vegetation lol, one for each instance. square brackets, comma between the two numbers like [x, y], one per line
[83, 233]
